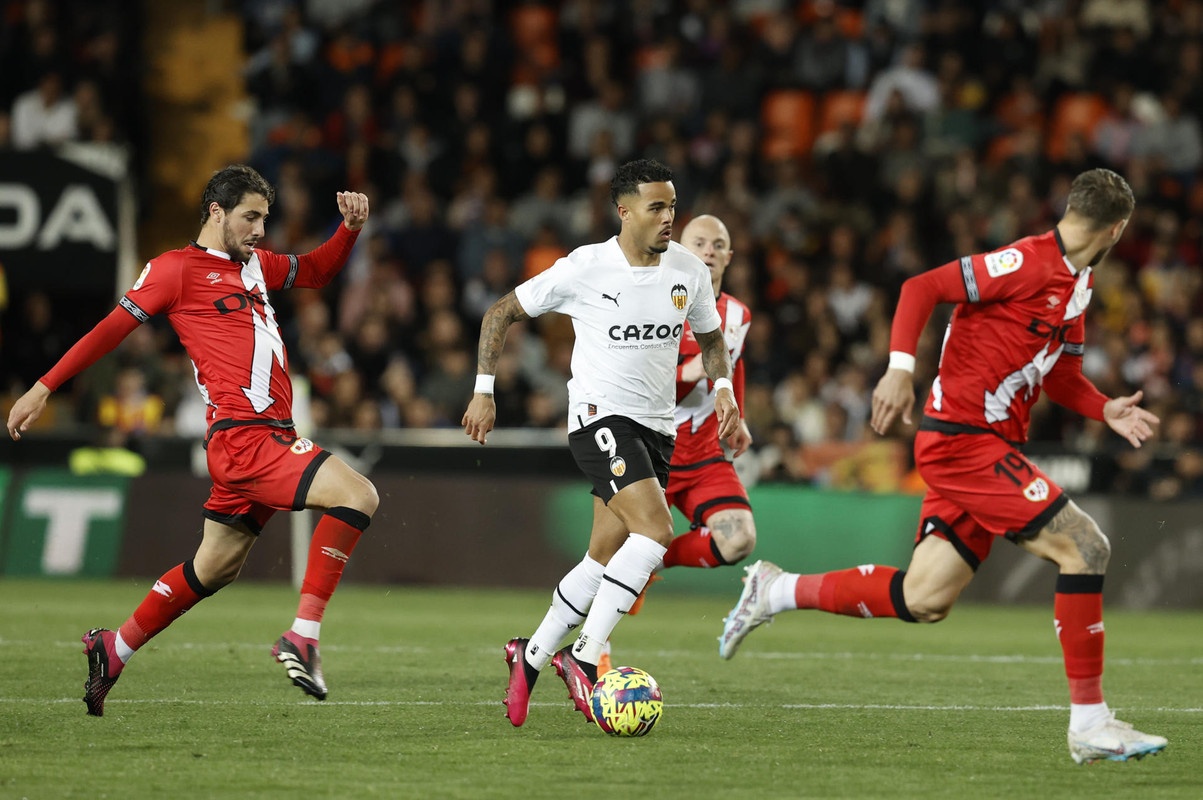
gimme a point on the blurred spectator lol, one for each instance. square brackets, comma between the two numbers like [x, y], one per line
[44, 115]
[608, 111]
[39, 338]
[1172, 141]
[131, 411]
[910, 78]
[487, 160]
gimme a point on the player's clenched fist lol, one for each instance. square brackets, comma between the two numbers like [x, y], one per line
[354, 208]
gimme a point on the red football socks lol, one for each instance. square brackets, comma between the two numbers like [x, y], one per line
[1078, 609]
[693, 548]
[173, 594]
[334, 538]
[858, 592]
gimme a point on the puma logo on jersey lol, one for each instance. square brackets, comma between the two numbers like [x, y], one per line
[614, 298]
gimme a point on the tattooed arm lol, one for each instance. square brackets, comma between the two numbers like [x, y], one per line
[717, 361]
[482, 411]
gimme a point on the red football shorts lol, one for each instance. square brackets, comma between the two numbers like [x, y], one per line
[700, 491]
[981, 487]
[258, 470]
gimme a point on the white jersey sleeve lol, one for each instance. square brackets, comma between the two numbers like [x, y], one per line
[550, 290]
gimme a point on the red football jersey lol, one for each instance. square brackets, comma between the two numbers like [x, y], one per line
[1020, 310]
[695, 420]
[220, 310]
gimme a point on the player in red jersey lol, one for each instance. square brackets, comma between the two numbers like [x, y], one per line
[1018, 328]
[214, 293]
[701, 481]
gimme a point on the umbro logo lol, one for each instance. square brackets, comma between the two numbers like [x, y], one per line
[163, 589]
[213, 277]
[614, 298]
[1053, 301]
[335, 553]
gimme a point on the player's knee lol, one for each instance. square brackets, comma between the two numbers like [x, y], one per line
[217, 573]
[657, 526]
[362, 496]
[739, 544]
[928, 612]
[926, 606]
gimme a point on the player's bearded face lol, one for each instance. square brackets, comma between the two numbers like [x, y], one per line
[243, 227]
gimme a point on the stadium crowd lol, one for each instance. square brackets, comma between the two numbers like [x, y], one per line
[847, 145]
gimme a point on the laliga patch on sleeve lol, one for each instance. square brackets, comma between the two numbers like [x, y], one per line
[1003, 262]
[141, 278]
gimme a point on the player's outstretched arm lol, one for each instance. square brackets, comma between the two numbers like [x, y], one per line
[1128, 419]
[27, 409]
[354, 208]
[482, 410]
[717, 361]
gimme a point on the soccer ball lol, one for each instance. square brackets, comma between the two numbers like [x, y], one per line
[626, 702]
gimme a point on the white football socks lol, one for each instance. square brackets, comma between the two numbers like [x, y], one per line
[624, 578]
[570, 603]
[781, 593]
[1084, 716]
[124, 651]
[308, 628]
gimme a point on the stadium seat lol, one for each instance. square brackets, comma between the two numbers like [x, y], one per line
[1077, 112]
[536, 38]
[839, 107]
[788, 118]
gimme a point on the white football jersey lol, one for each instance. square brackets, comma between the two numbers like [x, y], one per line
[628, 323]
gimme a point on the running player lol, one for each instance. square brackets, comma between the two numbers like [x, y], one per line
[214, 293]
[1018, 327]
[629, 298]
[702, 482]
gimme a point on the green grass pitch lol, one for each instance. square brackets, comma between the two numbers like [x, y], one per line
[812, 706]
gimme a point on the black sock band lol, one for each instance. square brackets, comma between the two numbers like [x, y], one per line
[1079, 584]
[194, 582]
[722, 562]
[356, 519]
[898, 598]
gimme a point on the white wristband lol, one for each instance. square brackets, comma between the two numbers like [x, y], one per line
[724, 383]
[484, 384]
[901, 360]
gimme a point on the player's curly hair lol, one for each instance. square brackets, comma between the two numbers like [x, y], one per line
[228, 186]
[1101, 196]
[628, 177]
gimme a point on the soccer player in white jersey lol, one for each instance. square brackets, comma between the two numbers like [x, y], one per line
[629, 298]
